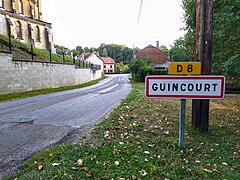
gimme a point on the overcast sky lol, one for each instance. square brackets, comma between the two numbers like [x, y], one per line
[89, 23]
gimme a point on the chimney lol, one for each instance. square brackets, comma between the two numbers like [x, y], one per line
[157, 44]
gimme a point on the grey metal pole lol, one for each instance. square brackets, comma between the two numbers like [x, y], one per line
[182, 123]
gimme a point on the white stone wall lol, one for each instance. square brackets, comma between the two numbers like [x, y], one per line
[20, 76]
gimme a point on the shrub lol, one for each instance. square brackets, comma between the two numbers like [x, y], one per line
[140, 68]
[232, 69]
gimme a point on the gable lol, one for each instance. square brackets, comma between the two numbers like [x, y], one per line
[154, 54]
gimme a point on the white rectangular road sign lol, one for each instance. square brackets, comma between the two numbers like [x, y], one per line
[185, 87]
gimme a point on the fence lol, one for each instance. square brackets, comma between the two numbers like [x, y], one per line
[25, 52]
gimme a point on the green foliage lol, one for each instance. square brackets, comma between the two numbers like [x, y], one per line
[120, 53]
[140, 68]
[22, 51]
[226, 34]
[126, 69]
[179, 51]
[122, 68]
[160, 72]
[164, 49]
[232, 69]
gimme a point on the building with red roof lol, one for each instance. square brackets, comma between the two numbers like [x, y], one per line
[109, 65]
[155, 55]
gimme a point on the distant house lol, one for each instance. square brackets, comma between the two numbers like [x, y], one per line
[109, 65]
[93, 58]
[155, 55]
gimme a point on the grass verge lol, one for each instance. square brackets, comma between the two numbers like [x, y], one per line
[15, 96]
[139, 140]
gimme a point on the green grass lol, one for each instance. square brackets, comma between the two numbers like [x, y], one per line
[139, 140]
[21, 95]
[22, 51]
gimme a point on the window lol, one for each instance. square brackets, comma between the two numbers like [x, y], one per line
[104, 66]
[110, 66]
[37, 34]
[19, 30]
[20, 7]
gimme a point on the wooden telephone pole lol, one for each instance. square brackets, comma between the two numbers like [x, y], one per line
[203, 53]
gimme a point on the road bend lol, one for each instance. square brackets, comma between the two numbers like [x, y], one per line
[30, 125]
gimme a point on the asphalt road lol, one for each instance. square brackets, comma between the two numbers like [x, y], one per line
[33, 124]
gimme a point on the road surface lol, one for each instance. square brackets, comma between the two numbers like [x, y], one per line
[33, 124]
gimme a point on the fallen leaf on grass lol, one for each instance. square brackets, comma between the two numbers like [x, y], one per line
[56, 164]
[40, 167]
[143, 173]
[207, 170]
[85, 168]
[224, 163]
[79, 162]
[88, 174]
[166, 132]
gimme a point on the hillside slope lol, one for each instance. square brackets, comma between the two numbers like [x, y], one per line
[22, 51]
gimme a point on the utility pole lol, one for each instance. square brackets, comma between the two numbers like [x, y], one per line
[203, 53]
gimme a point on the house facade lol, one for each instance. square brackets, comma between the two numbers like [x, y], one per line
[109, 65]
[93, 58]
[22, 20]
[155, 55]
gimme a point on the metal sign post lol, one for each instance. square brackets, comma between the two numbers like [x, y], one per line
[182, 123]
[31, 44]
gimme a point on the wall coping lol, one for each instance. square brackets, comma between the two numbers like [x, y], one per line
[5, 52]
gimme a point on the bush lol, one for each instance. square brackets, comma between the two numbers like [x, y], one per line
[161, 72]
[232, 69]
[140, 68]
[121, 68]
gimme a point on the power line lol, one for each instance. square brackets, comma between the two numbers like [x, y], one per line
[139, 13]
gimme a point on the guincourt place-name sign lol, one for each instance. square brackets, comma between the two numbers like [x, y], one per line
[185, 87]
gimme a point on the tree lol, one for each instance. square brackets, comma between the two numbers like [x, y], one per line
[79, 49]
[120, 53]
[179, 51]
[105, 52]
[232, 69]
[121, 68]
[140, 68]
[86, 49]
[226, 31]
[164, 49]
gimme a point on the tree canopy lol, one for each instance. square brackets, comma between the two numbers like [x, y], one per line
[226, 35]
[120, 53]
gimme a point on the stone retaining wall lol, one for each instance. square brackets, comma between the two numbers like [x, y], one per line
[21, 76]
